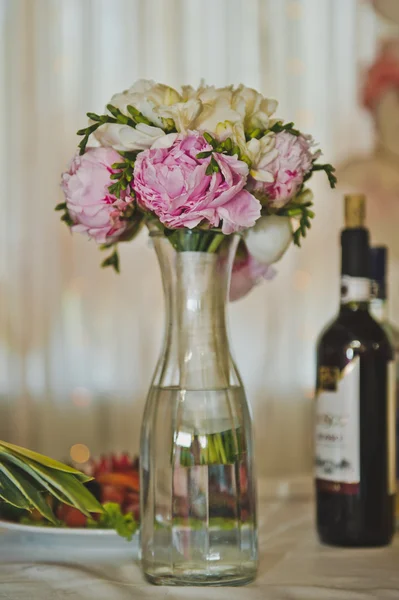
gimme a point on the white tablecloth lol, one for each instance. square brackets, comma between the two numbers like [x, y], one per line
[293, 566]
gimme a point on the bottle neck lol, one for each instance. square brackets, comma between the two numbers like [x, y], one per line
[196, 351]
[355, 293]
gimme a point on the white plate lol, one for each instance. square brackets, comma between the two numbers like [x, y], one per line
[53, 543]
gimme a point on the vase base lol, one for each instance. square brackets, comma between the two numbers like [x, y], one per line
[190, 578]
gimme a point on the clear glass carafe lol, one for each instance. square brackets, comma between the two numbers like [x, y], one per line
[198, 501]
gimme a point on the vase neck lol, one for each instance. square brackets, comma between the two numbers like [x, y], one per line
[196, 352]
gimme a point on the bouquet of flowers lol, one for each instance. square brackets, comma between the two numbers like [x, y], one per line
[194, 161]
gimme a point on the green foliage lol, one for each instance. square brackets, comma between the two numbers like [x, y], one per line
[303, 213]
[329, 171]
[225, 147]
[113, 518]
[124, 175]
[279, 126]
[112, 260]
[116, 116]
[25, 477]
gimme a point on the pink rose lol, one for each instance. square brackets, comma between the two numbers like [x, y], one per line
[247, 273]
[172, 183]
[93, 209]
[293, 162]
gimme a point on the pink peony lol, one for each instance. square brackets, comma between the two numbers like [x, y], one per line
[247, 273]
[93, 209]
[293, 162]
[171, 182]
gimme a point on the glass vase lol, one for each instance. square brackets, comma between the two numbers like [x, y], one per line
[198, 500]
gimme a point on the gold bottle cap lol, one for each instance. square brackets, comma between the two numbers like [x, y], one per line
[355, 210]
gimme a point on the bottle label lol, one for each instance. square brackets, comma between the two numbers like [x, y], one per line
[391, 424]
[337, 444]
[354, 289]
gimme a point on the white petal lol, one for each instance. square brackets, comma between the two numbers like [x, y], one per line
[165, 141]
[262, 175]
[270, 237]
[124, 137]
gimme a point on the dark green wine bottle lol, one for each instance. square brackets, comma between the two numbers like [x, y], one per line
[355, 407]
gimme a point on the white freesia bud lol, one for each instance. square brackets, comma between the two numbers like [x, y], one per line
[182, 113]
[254, 108]
[270, 237]
[261, 153]
[306, 196]
[234, 131]
[146, 96]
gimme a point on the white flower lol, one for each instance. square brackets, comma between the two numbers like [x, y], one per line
[146, 96]
[215, 107]
[126, 138]
[255, 110]
[165, 141]
[270, 237]
[182, 113]
[261, 153]
[234, 131]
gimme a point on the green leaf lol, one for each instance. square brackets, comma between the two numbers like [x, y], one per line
[236, 151]
[44, 460]
[330, 172]
[67, 484]
[209, 169]
[215, 165]
[113, 518]
[29, 468]
[228, 145]
[133, 111]
[11, 494]
[279, 126]
[61, 206]
[94, 117]
[112, 261]
[28, 490]
[113, 110]
[256, 133]
[211, 140]
[204, 154]
[123, 119]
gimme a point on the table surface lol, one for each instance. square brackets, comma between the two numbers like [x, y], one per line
[293, 566]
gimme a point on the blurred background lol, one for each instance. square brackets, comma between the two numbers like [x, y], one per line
[78, 345]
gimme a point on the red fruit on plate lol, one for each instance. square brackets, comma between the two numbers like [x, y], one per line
[72, 517]
[129, 480]
[110, 493]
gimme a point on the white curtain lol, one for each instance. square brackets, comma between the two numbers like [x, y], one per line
[78, 344]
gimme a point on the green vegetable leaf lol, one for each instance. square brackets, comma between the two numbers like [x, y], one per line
[44, 460]
[17, 480]
[113, 518]
[66, 483]
[29, 468]
[11, 494]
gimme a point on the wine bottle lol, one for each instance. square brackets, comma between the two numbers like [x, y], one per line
[379, 310]
[354, 445]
